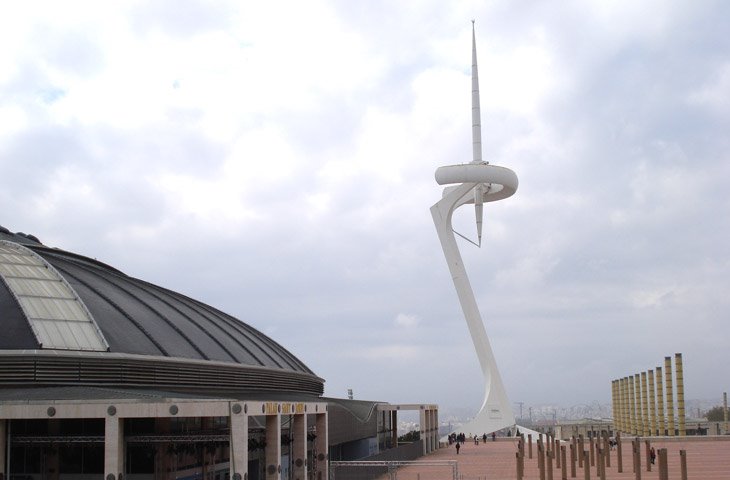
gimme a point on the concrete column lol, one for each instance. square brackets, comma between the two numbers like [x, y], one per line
[639, 413]
[272, 469]
[394, 427]
[3, 445]
[436, 428]
[422, 422]
[652, 404]
[661, 416]
[434, 431]
[669, 395]
[645, 404]
[238, 421]
[427, 415]
[113, 448]
[680, 394]
[321, 446]
[299, 446]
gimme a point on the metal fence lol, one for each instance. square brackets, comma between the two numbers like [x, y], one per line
[367, 470]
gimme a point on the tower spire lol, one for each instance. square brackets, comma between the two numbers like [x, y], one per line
[476, 135]
[476, 120]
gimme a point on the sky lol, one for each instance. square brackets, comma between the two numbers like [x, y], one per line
[276, 159]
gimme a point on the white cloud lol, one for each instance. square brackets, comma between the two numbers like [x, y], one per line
[405, 320]
[281, 167]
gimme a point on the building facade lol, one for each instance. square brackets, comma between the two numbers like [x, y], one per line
[105, 376]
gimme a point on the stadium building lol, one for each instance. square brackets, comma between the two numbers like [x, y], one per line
[105, 376]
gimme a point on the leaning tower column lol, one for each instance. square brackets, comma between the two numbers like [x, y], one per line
[652, 403]
[670, 395]
[639, 411]
[645, 404]
[680, 394]
[660, 402]
[632, 404]
[627, 406]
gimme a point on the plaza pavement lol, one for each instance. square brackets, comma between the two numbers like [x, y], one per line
[707, 459]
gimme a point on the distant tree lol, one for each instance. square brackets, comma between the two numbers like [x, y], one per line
[715, 414]
[412, 436]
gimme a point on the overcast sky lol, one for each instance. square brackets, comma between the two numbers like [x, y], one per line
[276, 160]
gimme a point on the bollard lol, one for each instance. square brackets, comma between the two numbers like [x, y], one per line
[581, 448]
[647, 453]
[607, 449]
[572, 460]
[619, 458]
[517, 463]
[593, 451]
[549, 465]
[586, 470]
[683, 463]
[529, 444]
[564, 471]
[637, 459]
[601, 470]
[557, 453]
[541, 459]
[575, 447]
[633, 455]
[663, 467]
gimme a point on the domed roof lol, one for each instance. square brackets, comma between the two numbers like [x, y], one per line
[55, 300]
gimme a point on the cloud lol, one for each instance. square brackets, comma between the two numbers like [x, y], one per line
[405, 320]
[280, 167]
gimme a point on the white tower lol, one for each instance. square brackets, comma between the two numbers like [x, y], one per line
[476, 182]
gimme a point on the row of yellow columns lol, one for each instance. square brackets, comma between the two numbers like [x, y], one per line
[639, 401]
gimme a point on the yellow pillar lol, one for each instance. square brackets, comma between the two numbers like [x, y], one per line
[632, 404]
[670, 395]
[614, 406]
[645, 404]
[622, 405]
[619, 400]
[639, 412]
[652, 404]
[662, 426]
[627, 406]
[680, 394]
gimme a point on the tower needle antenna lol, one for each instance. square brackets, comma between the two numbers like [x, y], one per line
[476, 134]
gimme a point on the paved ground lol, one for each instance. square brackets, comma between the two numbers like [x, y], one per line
[706, 460]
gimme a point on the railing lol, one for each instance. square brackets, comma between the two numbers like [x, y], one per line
[371, 469]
